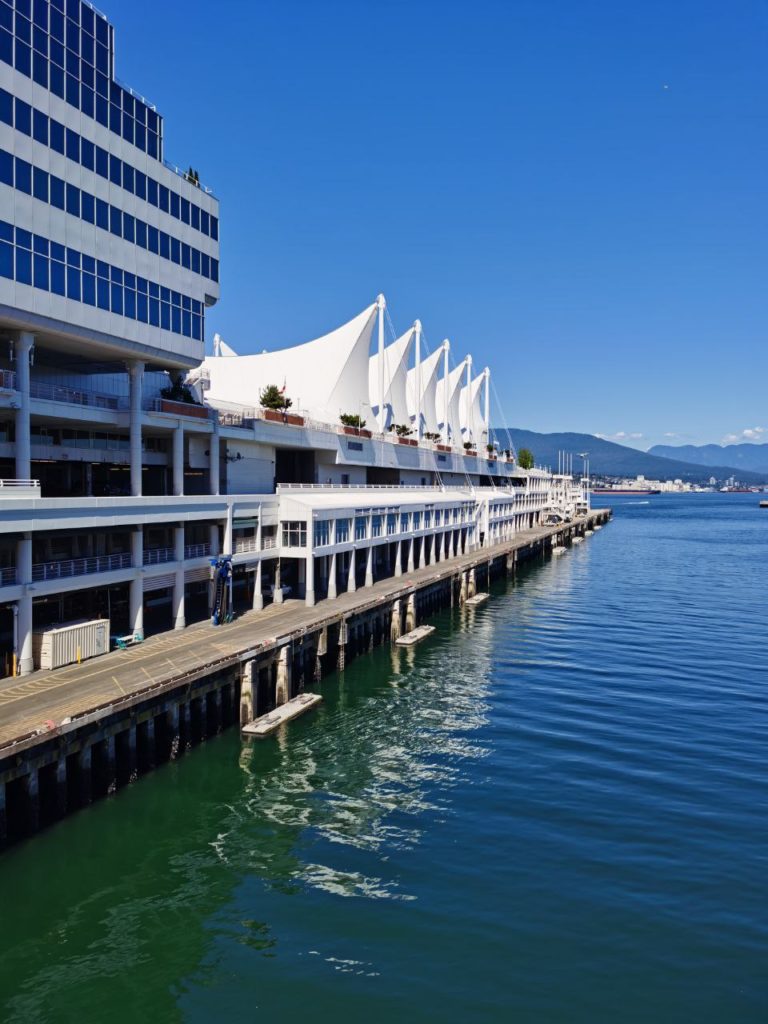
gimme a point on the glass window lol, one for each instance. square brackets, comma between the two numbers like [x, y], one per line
[294, 534]
[361, 524]
[40, 69]
[164, 199]
[153, 243]
[40, 127]
[87, 154]
[196, 261]
[41, 272]
[73, 146]
[23, 117]
[165, 246]
[128, 177]
[23, 266]
[102, 111]
[40, 184]
[115, 170]
[57, 136]
[57, 192]
[117, 299]
[115, 221]
[56, 52]
[140, 136]
[88, 207]
[129, 298]
[129, 228]
[141, 234]
[205, 222]
[376, 525]
[23, 62]
[73, 283]
[215, 228]
[73, 200]
[175, 251]
[152, 191]
[6, 168]
[6, 107]
[195, 217]
[175, 206]
[322, 533]
[102, 214]
[73, 91]
[56, 24]
[142, 308]
[185, 210]
[102, 162]
[6, 260]
[185, 255]
[342, 531]
[56, 81]
[141, 185]
[102, 293]
[23, 176]
[6, 46]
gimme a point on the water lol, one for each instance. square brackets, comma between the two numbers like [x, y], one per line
[555, 810]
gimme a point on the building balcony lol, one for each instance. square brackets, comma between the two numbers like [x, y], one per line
[158, 556]
[67, 568]
[74, 396]
[8, 576]
[18, 489]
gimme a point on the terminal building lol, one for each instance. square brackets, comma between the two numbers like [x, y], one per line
[128, 459]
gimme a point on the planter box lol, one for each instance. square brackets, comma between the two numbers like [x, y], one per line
[198, 412]
[283, 417]
[444, 448]
[408, 440]
[356, 431]
[491, 458]
[473, 454]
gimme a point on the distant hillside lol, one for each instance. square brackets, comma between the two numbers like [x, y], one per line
[609, 459]
[752, 457]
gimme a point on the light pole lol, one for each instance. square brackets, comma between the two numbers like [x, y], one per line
[585, 473]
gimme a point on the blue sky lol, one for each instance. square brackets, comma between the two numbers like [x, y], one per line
[574, 192]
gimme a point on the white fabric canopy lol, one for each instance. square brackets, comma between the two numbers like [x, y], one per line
[454, 392]
[395, 380]
[473, 427]
[323, 378]
[429, 368]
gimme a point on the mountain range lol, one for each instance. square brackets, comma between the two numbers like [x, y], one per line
[752, 457]
[606, 458]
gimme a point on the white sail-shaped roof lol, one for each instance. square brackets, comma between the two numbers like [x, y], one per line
[395, 380]
[429, 417]
[472, 425]
[323, 378]
[454, 392]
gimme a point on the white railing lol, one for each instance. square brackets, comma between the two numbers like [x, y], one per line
[359, 487]
[8, 380]
[156, 556]
[243, 544]
[80, 566]
[10, 484]
[197, 550]
[267, 543]
[72, 396]
[8, 576]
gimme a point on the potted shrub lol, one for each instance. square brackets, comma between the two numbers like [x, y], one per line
[276, 404]
[491, 451]
[179, 400]
[403, 432]
[353, 424]
[468, 449]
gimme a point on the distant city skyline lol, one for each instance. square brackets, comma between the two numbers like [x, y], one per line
[575, 194]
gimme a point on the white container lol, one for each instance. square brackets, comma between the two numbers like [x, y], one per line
[70, 642]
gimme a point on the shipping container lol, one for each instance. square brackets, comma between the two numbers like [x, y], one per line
[70, 642]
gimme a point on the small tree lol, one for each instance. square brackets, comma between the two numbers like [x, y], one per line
[178, 391]
[351, 419]
[525, 458]
[490, 449]
[468, 446]
[273, 398]
[430, 435]
[401, 429]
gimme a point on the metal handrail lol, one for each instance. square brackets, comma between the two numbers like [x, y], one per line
[8, 380]
[156, 556]
[72, 396]
[11, 483]
[8, 576]
[80, 566]
[197, 550]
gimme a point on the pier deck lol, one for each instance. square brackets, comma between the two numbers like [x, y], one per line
[44, 700]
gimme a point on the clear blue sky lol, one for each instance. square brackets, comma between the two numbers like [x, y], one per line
[575, 192]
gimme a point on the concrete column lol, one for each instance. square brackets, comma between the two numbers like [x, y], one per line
[410, 542]
[23, 351]
[369, 566]
[86, 774]
[398, 559]
[309, 586]
[278, 596]
[351, 578]
[178, 460]
[447, 544]
[136, 380]
[33, 800]
[229, 529]
[472, 585]
[110, 769]
[248, 693]
[151, 748]
[332, 588]
[258, 597]
[136, 591]
[214, 461]
[423, 552]
[410, 613]
[61, 786]
[284, 674]
[25, 662]
[132, 758]
[213, 539]
[395, 630]
[463, 589]
[179, 611]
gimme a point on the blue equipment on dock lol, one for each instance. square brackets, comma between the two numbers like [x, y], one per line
[221, 578]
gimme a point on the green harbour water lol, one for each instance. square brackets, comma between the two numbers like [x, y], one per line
[554, 810]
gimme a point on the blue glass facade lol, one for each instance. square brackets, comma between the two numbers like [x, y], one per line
[50, 132]
[33, 260]
[78, 186]
[67, 47]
